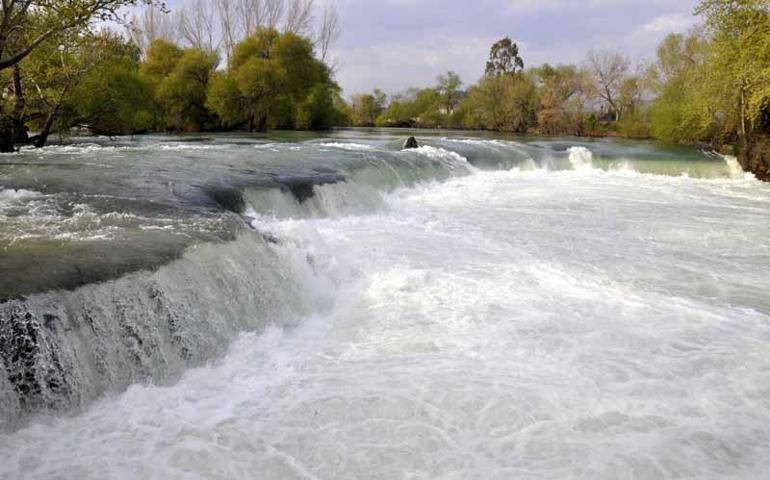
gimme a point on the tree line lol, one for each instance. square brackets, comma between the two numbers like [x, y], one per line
[213, 65]
[710, 85]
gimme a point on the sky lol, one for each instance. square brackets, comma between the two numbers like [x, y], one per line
[395, 44]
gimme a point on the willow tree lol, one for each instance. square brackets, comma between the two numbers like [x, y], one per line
[273, 80]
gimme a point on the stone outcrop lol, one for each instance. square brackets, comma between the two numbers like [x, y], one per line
[410, 143]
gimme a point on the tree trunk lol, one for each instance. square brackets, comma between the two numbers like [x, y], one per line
[40, 139]
[20, 103]
[743, 113]
[6, 136]
[261, 125]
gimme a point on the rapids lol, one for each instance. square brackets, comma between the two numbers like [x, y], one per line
[334, 308]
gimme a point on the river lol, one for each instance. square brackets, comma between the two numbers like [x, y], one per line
[330, 307]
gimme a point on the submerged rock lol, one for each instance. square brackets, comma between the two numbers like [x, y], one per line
[410, 142]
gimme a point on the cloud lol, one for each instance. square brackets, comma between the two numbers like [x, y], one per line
[396, 65]
[674, 22]
[540, 6]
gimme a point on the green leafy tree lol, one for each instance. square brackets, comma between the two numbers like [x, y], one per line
[54, 71]
[318, 110]
[270, 78]
[449, 89]
[367, 107]
[182, 94]
[25, 25]
[161, 59]
[504, 59]
[113, 98]
[507, 103]
[739, 59]
[676, 115]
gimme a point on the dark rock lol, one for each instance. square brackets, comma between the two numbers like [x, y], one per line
[754, 157]
[410, 142]
[228, 198]
[302, 188]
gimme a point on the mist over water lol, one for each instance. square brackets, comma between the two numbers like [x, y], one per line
[475, 309]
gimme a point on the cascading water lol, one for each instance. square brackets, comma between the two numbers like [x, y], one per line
[470, 309]
[581, 158]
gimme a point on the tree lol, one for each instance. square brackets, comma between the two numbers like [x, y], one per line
[317, 111]
[113, 98]
[740, 55]
[504, 59]
[299, 17]
[152, 23]
[196, 24]
[228, 24]
[449, 90]
[161, 58]
[675, 114]
[182, 94]
[563, 95]
[609, 71]
[506, 103]
[54, 69]
[329, 32]
[270, 74]
[24, 26]
[367, 107]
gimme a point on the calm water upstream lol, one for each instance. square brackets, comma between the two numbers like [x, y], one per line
[334, 308]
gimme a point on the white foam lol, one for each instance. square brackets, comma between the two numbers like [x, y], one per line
[581, 158]
[451, 159]
[355, 147]
[10, 194]
[518, 324]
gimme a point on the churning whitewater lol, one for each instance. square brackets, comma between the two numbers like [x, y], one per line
[572, 313]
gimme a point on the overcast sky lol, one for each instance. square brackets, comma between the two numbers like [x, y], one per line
[394, 44]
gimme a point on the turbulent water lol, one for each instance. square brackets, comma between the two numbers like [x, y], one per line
[332, 308]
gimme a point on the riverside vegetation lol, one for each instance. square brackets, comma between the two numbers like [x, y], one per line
[257, 65]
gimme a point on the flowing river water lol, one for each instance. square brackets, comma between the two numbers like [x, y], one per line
[334, 308]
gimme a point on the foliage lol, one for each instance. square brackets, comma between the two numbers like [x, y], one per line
[739, 58]
[274, 80]
[563, 94]
[365, 108]
[113, 98]
[182, 94]
[676, 115]
[504, 59]
[449, 89]
[26, 24]
[427, 107]
[506, 103]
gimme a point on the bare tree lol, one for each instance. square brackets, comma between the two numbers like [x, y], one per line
[196, 24]
[609, 71]
[329, 30]
[229, 25]
[251, 14]
[299, 17]
[150, 24]
[273, 11]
